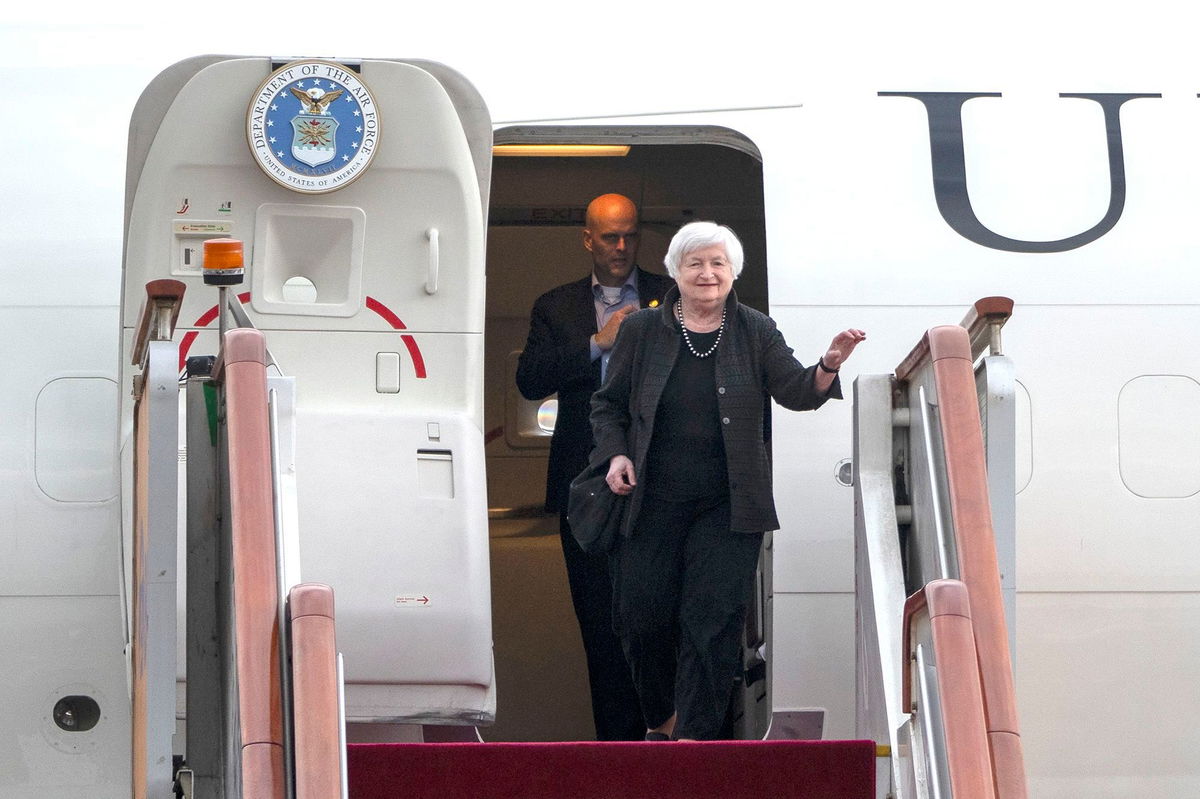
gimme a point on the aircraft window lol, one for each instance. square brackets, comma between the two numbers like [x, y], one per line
[1024, 443]
[1158, 424]
[74, 460]
[547, 415]
[528, 424]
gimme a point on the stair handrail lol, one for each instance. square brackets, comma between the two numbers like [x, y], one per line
[316, 736]
[983, 323]
[241, 369]
[157, 316]
[879, 578]
[947, 350]
[155, 497]
[968, 765]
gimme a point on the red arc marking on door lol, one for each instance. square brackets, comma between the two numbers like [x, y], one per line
[393, 320]
[375, 305]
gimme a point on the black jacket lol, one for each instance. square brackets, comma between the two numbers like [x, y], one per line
[557, 358]
[753, 362]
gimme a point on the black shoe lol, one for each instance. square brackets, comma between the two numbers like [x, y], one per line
[657, 736]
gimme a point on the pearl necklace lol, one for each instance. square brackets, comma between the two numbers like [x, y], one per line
[688, 341]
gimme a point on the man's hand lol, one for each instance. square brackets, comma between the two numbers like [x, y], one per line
[607, 335]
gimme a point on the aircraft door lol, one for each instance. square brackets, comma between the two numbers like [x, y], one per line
[360, 191]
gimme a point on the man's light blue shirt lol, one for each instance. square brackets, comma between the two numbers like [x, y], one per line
[604, 312]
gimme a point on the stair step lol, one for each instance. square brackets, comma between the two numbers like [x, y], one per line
[601, 770]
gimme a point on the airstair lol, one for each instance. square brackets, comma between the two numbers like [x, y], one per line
[933, 508]
[264, 710]
[936, 711]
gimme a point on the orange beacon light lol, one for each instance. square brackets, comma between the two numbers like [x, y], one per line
[223, 264]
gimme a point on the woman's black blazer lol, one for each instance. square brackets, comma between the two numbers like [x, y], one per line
[753, 363]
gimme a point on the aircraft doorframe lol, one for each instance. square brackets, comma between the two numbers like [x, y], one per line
[677, 174]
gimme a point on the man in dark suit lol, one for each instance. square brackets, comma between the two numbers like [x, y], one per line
[571, 331]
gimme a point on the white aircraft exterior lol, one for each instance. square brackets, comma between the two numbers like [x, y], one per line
[1080, 158]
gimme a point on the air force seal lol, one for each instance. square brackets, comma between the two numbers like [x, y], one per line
[313, 126]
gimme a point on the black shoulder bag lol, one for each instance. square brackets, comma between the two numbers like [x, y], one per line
[594, 512]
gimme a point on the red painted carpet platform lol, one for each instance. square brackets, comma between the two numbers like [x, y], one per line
[726, 769]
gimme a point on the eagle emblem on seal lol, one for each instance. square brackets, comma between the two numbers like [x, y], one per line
[315, 131]
[315, 101]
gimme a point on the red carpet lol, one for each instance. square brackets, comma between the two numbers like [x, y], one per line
[727, 769]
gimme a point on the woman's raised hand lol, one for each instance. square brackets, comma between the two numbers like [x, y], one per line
[841, 347]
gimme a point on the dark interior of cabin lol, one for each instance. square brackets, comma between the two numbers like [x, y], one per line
[534, 243]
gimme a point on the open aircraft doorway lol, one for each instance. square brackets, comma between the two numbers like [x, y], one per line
[536, 216]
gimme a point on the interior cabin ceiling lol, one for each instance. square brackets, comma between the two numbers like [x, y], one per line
[538, 205]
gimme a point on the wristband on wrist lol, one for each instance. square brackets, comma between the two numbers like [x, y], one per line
[821, 363]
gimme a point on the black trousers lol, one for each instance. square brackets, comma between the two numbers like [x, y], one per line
[615, 709]
[682, 585]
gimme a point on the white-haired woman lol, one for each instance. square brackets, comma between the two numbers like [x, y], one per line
[680, 419]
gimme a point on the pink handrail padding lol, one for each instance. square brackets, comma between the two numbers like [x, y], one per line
[262, 770]
[966, 477]
[916, 358]
[241, 368]
[968, 756]
[164, 291]
[985, 312]
[317, 728]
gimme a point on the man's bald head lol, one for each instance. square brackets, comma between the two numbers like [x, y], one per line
[609, 207]
[612, 237]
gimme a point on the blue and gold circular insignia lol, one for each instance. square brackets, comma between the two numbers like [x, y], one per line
[313, 126]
